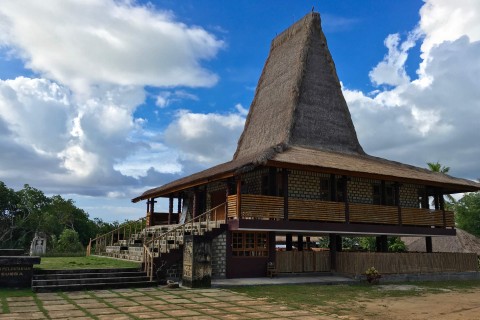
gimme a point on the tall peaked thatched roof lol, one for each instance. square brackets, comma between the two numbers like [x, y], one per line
[299, 101]
[299, 117]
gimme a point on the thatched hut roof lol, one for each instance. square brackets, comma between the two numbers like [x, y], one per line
[462, 242]
[298, 100]
[299, 117]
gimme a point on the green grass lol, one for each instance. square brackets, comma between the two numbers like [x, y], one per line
[84, 263]
[343, 297]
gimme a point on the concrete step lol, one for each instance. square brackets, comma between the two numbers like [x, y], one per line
[89, 279]
[94, 286]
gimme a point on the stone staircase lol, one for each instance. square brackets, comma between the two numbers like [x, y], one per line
[89, 279]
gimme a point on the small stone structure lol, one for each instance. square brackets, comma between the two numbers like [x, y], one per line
[39, 244]
[16, 270]
[197, 261]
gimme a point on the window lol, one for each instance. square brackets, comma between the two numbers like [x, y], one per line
[389, 195]
[377, 194]
[249, 244]
[340, 190]
[324, 189]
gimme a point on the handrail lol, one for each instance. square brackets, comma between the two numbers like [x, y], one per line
[102, 241]
[150, 245]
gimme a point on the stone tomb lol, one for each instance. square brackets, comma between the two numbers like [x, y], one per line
[15, 270]
[197, 261]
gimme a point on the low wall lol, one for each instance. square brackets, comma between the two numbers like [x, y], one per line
[402, 263]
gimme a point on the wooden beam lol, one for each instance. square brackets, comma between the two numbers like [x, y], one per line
[285, 193]
[345, 195]
[428, 244]
[239, 197]
[333, 251]
[170, 209]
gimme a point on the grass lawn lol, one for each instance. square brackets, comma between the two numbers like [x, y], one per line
[84, 263]
[340, 297]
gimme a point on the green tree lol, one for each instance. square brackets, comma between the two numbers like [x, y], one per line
[69, 242]
[467, 213]
[8, 210]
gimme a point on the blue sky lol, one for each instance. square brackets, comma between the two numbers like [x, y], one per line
[101, 100]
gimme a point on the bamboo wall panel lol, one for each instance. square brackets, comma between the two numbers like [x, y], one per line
[300, 209]
[369, 213]
[232, 206]
[425, 217]
[385, 263]
[302, 261]
[261, 207]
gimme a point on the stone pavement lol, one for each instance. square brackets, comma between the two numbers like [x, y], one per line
[148, 303]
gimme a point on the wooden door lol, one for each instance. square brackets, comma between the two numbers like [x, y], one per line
[217, 198]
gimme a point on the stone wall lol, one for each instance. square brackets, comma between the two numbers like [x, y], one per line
[305, 185]
[252, 181]
[360, 190]
[219, 256]
[409, 195]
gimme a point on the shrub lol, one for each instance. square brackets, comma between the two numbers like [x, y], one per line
[69, 242]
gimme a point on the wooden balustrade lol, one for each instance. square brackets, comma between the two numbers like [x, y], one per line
[271, 208]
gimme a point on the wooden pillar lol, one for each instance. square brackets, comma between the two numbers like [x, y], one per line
[345, 195]
[288, 242]
[179, 208]
[300, 242]
[396, 187]
[151, 212]
[428, 244]
[333, 251]
[239, 197]
[285, 193]
[196, 202]
[272, 182]
[339, 243]
[442, 207]
[170, 208]
[307, 241]
[227, 193]
[382, 243]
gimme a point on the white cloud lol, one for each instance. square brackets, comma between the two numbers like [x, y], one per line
[206, 138]
[434, 117]
[391, 70]
[165, 98]
[115, 42]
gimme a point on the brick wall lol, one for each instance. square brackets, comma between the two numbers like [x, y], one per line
[305, 185]
[252, 181]
[219, 256]
[360, 190]
[409, 195]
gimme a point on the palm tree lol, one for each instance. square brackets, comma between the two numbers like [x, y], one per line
[437, 167]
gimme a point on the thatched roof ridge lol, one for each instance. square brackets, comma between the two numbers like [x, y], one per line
[462, 242]
[298, 100]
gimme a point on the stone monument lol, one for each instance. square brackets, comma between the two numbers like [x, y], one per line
[38, 246]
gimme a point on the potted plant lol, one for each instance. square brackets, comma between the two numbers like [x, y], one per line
[373, 276]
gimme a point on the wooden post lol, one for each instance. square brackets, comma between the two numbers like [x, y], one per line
[239, 197]
[195, 202]
[338, 241]
[227, 193]
[428, 244]
[179, 207]
[442, 207]
[333, 251]
[170, 208]
[272, 181]
[300, 242]
[307, 240]
[397, 201]
[288, 242]
[285, 193]
[345, 195]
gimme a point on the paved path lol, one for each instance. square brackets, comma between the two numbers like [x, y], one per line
[148, 303]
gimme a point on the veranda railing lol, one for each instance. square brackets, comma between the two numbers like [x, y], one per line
[173, 238]
[125, 232]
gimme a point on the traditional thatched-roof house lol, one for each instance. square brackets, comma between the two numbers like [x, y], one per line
[300, 171]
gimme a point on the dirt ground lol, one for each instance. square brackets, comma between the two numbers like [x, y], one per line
[451, 305]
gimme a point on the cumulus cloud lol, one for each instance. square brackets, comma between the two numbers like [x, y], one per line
[116, 42]
[206, 138]
[434, 117]
[165, 98]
